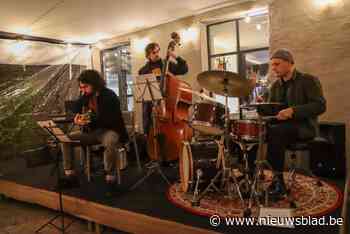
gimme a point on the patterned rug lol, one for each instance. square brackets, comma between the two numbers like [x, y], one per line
[310, 199]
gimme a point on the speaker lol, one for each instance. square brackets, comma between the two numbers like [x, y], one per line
[327, 153]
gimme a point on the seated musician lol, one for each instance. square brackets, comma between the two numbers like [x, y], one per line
[303, 96]
[105, 122]
[155, 65]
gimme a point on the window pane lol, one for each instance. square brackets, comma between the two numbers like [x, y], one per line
[227, 63]
[233, 103]
[129, 83]
[223, 38]
[254, 34]
[117, 68]
[112, 82]
[130, 103]
[257, 62]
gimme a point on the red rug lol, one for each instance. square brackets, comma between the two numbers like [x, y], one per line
[311, 199]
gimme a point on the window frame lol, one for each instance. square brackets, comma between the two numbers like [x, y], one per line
[104, 51]
[238, 52]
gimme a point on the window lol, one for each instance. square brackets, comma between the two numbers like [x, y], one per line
[242, 47]
[116, 64]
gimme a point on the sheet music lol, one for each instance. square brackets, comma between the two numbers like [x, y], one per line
[141, 90]
[49, 125]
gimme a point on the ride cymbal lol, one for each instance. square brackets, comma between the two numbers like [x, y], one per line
[225, 83]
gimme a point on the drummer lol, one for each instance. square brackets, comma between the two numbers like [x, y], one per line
[303, 96]
[154, 65]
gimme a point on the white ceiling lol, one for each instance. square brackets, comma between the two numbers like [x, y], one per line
[91, 20]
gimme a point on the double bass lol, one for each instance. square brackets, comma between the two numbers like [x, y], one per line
[170, 126]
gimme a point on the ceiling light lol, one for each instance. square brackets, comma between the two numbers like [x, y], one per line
[140, 44]
[189, 34]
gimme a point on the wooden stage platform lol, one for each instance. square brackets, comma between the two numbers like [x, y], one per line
[144, 210]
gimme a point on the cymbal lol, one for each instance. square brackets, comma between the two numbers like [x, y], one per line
[224, 83]
[206, 97]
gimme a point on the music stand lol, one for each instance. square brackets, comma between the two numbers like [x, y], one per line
[59, 137]
[147, 89]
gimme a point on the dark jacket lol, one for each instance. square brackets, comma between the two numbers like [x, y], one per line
[180, 68]
[305, 96]
[109, 115]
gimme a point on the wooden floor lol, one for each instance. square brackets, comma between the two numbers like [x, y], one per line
[101, 214]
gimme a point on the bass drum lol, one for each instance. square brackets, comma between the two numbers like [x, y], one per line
[197, 156]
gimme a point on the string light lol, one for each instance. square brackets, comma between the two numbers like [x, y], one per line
[258, 27]
[189, 34]
[326, 3]
[247, 19]
[18, 48]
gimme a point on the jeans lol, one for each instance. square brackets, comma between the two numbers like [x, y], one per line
[108, 138]
[279, 135]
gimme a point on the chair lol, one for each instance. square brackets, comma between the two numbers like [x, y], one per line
[121, 161]
[86, 159]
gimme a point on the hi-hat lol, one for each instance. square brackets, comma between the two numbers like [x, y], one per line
[225, 83]
[267, 108]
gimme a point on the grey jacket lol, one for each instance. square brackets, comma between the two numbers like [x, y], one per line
[305, 96]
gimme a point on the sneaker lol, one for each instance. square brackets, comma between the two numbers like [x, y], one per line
[69, 172]
[111, 179]
[277, 189]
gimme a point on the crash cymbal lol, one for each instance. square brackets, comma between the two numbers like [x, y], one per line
[224, 83]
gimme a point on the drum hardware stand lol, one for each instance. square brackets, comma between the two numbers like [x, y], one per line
[154, 165]
[227, 176]
[257, 190]
[195, 201]
[232, 176]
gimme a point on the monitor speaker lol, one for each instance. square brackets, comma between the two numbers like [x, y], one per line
[327, 153]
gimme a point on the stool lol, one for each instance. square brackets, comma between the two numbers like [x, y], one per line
[85, 159]
[298, 146]
[299, 162]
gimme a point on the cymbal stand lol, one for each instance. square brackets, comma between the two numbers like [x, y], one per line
[258, 191]
[228, 178]
[246, 182]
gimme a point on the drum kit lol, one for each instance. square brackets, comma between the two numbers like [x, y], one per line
[208, 166]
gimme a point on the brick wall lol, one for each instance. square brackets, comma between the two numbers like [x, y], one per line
[320, 41]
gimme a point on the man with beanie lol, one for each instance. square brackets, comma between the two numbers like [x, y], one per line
[302, 95]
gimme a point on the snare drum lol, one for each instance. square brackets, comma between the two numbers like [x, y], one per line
[197, 156]
[208, 118]
[247, 130]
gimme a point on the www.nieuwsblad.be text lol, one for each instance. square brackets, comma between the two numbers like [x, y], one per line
[216, 221]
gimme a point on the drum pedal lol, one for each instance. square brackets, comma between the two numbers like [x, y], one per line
[293, 205]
